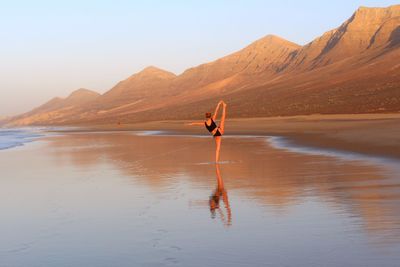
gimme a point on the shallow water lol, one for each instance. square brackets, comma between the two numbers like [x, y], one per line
[10, 138]
[126, 199]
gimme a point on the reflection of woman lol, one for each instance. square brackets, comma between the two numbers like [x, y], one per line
[216, 131]
[220, 193]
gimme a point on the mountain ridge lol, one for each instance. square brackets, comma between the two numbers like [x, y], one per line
[269, 66]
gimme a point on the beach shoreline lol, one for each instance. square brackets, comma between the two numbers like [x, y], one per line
[148, 193]
[369, 134]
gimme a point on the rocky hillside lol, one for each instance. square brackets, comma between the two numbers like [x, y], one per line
[351, 69]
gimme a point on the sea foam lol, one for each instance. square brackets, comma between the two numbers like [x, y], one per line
[10, 138]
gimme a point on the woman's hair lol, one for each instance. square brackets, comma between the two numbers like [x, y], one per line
[208, 115]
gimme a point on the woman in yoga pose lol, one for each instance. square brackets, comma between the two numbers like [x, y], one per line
[216, 130]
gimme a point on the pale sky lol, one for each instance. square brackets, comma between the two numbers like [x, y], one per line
[50, 48]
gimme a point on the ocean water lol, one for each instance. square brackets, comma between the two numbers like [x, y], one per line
[10, 138]
[134, 199]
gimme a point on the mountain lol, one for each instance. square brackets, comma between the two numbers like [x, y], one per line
[144, 84]
[76, 98]
[366, 29]
[3, 120]
[57, 108]
[135, 92]
[351, 69]
[265, 56]
[268, 56]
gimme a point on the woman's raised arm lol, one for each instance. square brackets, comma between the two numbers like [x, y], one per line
[195, 123]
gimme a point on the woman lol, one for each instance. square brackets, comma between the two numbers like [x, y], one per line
[213, 128]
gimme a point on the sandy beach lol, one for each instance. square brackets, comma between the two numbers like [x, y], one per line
[295, 191]
[141, 199]
[371, 134]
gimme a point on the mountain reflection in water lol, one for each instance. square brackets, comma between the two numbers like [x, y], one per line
[257, 172]
[121, 199]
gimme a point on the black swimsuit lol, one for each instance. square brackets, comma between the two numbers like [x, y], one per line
[212, 127]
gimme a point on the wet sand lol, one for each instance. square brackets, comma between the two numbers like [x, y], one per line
[372, 134]
[138, 199]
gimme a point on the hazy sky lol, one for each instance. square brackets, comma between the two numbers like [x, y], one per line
[50, 48]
